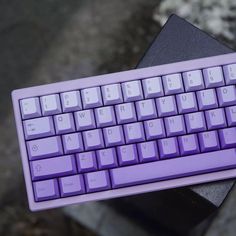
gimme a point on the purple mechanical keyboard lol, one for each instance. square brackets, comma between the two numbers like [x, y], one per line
[129, 132]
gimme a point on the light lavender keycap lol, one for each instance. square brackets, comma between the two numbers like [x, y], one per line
[86, 161]
[125, 113]
[132, 91]
[105, 116]
[230, 73]
[50, 104]
[215, 118]
[127, 154]
[195, 122]
[208, 141]
[134, 132]
[152, 87]
[91, 97]
[207, 99]
[64, 123]
[46, 147]
[173, 84]
[173, 168]
[72, 143]
[71, 185]
[168, 148]
[46, 190]
[93, 139]
[146, 109]
[147, 151]
[154, 129]
[53, 167]
[188, 144]
[30, 108]
[166, 106]
[228, 137]
[193, 80]
[186, 102]
[113, 136]
[38, 127]
[112, 94]
[213, 77]
[97, 181]
[174, 125]
[71, 101]
[231, 115]
[84, 120]
[227, 95]
[106, 158]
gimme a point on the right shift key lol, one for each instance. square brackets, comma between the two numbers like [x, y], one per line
[173, 168]
[46, 147]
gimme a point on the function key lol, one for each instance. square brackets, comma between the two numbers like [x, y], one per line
[50, 104]
[30, 108]
[193, 80]
[91, 97]
[173, 84]
[213, 77]
[112, 94]
[153, 87]
[132, 91]
[230, 73]
[71, 101]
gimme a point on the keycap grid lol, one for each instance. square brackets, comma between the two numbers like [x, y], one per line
[177, 111]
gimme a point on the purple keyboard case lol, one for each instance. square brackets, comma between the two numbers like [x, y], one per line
[108, 79]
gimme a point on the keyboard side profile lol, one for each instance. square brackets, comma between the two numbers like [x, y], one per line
[129, 132]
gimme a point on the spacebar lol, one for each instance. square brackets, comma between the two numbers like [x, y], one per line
[173, 168]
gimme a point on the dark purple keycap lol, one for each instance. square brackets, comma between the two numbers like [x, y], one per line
[72, 143]
[195, 122]
[174, 125]
[46, 190]
[93, 139]
[154, 129]
[127, 154]
[147, 151]
[209, 141]
[134, 132]
[215, 118]
[38, 128]
[53, 167]
[46, 147]
[173, 168]
[231, 115]
[188, 144]
[168, 148]
[113, 136]
[86, 161]
[97, 181]
[64, 123]
[228, 137]
[106, 158]
[71, 185]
